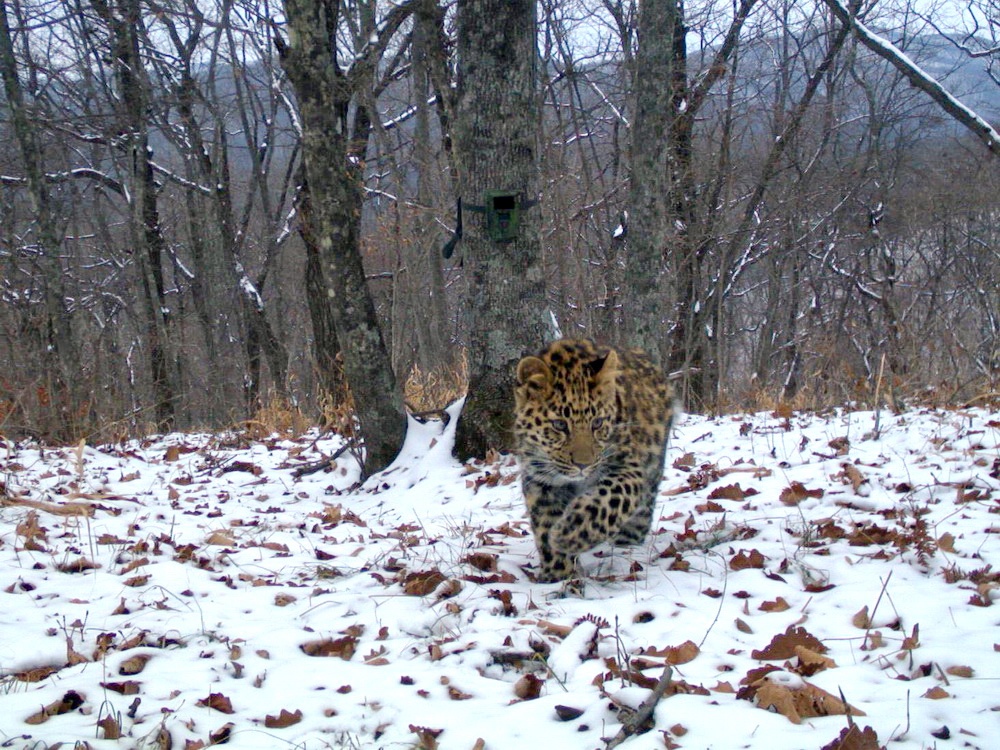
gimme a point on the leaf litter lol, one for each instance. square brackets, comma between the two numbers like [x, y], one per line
[841, 594]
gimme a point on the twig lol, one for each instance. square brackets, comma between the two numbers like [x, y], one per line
[634, 724]
[320, 465]
[871, 617]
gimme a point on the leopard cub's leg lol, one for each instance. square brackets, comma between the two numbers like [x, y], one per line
[638, 525]
[556, 566]
[634, 530]
[598, 514]
[546, 505]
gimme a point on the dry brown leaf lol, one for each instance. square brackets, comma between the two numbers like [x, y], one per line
[426, 738]
[744, 560]
[811, 662]
[221, 539]
[946, 543]
[134, 664]
[840, 444]
[448, 589]
[778, 605]
[797, 492]
[221, 735]
[912, 641]
[853, 738]
[731, 492]
[73, 657]
[377, 658]
[854, 476]
[483, 561]
[797, 700]
[219, 702]
[158, 739]
[457, 695]
[423, 582]
[674, 655]
[861, 619]
[528, 687]
[710, 507]
[128, 687]
[936, 693]
[960, 671]
[70, 701]
[112, 731]
[551, 628]
[784, 645]
[283, 719]
[743, 627]
[875, 640]
[56, 509]
[139, 639]
[342, 647]
[36, 674]
[80, 565]
[686, 461]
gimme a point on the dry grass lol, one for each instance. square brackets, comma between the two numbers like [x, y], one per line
[435, 389]
[337, 412]
[279, 416]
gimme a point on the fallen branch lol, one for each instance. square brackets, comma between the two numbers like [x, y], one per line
[320, 465]
[634, 723]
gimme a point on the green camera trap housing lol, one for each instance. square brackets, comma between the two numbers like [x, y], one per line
[503, 215]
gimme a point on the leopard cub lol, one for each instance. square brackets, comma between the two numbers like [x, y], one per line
[591, 426]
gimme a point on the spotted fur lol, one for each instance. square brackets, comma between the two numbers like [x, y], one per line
[591, 427]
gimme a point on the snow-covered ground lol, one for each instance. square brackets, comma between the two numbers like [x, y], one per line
[193, 589]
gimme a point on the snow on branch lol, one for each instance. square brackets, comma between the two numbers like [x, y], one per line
[79, 173]
[918, 77]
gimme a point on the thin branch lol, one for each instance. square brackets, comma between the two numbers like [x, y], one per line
[918, 78]
[77, 173]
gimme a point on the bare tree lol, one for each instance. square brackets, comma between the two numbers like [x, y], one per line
[332, 152]
[664, 242]
[60, 357]
[122, 19]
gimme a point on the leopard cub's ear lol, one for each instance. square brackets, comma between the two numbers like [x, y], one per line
[534, 377]
[604, 371]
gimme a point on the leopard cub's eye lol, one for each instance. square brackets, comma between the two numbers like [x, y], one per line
[559, 425]
[597, 423]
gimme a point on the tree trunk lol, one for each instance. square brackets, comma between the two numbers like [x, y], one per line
[122, 23]
[496, 128]
[654, 225]
[325, 94]
[325, 347]
[426, 280]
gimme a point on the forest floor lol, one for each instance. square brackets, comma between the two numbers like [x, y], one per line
[190, 590]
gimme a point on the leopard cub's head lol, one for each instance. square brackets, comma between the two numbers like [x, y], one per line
[566, 408]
